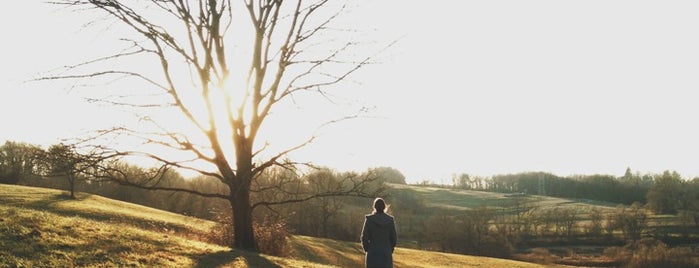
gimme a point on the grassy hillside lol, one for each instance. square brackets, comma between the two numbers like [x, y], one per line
[43, 227]
[448, 198]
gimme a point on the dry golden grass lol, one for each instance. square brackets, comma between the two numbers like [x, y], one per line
[44, 228]
[350, 254]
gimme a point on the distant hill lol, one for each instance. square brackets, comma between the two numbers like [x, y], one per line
[459, 199]
[44, 228]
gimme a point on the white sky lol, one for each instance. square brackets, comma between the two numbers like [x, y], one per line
[479, 87]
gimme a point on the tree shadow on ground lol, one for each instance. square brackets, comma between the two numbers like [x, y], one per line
[327, 251]
[53, 204]
[235, 258]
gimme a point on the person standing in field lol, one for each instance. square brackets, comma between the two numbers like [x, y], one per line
[379, 237]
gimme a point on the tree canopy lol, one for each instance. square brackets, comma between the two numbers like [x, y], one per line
[203, 76]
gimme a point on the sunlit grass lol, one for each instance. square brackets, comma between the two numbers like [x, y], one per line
[344, 254]
[98, 207]
[350, 254]
[32, 237]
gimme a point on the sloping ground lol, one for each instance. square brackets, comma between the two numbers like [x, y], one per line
[44, 228]
[349, 254]
[99, 208]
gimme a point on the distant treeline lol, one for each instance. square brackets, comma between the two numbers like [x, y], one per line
[607, 188]
[663, 193]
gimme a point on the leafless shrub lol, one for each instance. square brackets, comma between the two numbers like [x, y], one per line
[272, 234]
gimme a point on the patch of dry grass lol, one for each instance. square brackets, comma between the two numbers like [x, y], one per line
[350, 254]
[44, 228]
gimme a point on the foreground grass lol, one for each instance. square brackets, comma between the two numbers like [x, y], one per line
[44, 228]
[350, 254]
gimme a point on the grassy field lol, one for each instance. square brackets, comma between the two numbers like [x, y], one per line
[458, 199]
[44, 228]
[348, 254]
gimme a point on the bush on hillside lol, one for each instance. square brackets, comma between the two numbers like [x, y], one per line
[271, 234]
[272, 237]
[651, 253]
[495, 245]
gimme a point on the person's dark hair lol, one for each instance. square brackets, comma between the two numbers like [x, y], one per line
[379, 205]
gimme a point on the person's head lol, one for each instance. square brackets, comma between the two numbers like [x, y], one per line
[379, 205]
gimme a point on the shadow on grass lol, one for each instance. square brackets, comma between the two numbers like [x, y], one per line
[26, 237]
[52, 203]
[326, 251]
[235, 258]
[49, 200]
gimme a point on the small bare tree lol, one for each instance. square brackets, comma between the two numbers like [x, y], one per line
[63, 160]
[293, 49]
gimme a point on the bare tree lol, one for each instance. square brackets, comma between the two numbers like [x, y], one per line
[293, 49]
[63, 160]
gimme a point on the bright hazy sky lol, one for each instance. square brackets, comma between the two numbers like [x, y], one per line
[477, 87]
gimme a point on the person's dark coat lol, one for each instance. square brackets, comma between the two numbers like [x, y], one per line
[379, 239]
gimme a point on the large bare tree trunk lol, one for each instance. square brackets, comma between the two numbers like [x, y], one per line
[242, 220]
[239, 196]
